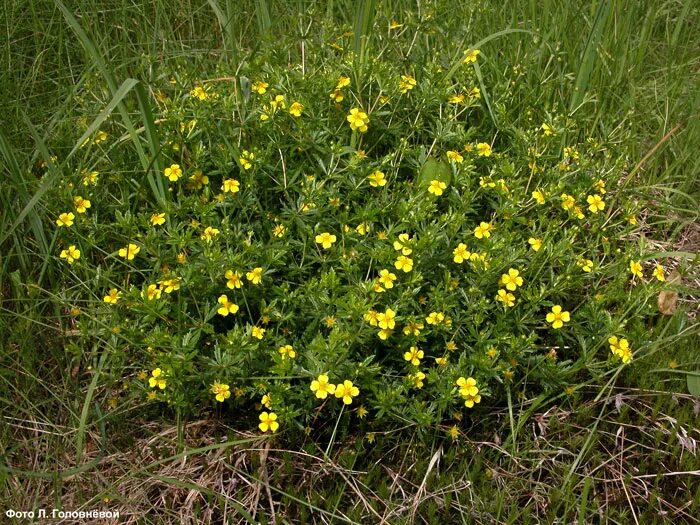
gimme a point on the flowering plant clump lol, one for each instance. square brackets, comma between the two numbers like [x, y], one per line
[372, 245]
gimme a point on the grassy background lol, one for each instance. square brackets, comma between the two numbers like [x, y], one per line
[626, 453]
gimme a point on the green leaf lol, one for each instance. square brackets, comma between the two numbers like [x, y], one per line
[434, 169]
[693, 384]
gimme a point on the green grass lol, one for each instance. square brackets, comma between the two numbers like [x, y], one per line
[618, 451]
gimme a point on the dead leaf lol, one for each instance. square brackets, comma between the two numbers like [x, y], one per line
[668, 298]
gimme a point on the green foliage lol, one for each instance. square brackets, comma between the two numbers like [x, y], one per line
[404, 252]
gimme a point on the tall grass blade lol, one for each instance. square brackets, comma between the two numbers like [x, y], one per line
[18, 187]
[121, 92]
[101, 65]
[364, 17]
[590, 53]
[262, 17]
[492, 36]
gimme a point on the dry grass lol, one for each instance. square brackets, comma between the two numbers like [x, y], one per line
[644, 462]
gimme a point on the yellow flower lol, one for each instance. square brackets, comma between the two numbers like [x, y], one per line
[402, 244]
[596, 203]
[483, 230]
[414, 355]
[470, 55]
[227, 307]
[535, 243]
[231, 186]
[404, 263]
[417, 379]
[557, 317]
[636, 269]
[277, 103]
[362, 228]
[486, 182]
[197, 180]
[157, 219]
[453, 432]
[538, 195]
[129, 252]
[407, 83]
[436, 187]
[337, 96]
[377, 179]
[620, 348]
[255, 275]
[467, 387]
[65, 219]
[209, 233]
[435, 318]
[70, 254]
[233, 279]
[469, 391]
[268, 422]
[658, 271]
[483, 149]
[441, 361]
[287, 351]
[330, 321]
[346, 390]
[505, 297]
[546, 129]
[246, 159]
[394, 25]
[384, 333]
[151, 292]
[343, 81]
[475, 92]
[257, 332]
[567, 201]
[90, 178]
[372, 317]
[112, 296]
[461, 253]
[326, 240]
[199, 93]
[413, 328]
[295, 109]
[260, 87]
[321, 387]
[387, 320]
[221, 391]
[170, 285]
[585, 264]
[456, 99]
[454, 156]
[358, 120]
[451, 346]
[174, 172]
[157, 379]
[361, 412]
[100, 136]
[512, 279]
[387, 278]
[279, 230]
[81, 205]
[599, 185]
